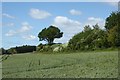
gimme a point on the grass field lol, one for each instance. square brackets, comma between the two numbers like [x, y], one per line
[74, 65]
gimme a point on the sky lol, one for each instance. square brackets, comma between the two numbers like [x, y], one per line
[22, 21]
[60, 0]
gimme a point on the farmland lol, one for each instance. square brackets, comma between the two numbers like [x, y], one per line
[101, 64]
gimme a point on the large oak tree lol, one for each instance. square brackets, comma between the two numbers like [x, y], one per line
[49, 34]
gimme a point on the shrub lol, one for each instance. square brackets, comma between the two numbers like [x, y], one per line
[58, 49]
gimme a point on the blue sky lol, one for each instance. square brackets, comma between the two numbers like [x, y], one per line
[22, 21]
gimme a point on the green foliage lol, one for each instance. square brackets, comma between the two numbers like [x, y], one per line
[44, 48]
[96, 38]
[113, 29]
[56, 47]
[12, 51]
[87, 28]
[22, 49]
[112, 20]
[2, 50]
[49, 34]
[89, 39]
[113, 36]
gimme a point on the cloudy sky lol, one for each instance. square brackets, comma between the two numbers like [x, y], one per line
[22, 21]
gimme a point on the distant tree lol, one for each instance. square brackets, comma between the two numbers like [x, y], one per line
[12, 51]
[112, 26]
[97, 38]
[2, 51]
[89, 39]
[113, 37]
[112, 20]
[87, 28]
[81, 40]
[21, 49]
[96, 27]
[49, 34]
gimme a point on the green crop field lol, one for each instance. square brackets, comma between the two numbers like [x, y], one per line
[102, 64]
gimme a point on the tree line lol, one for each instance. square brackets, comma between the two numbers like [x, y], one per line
[96, 38]
[20, 49]
[91, 38]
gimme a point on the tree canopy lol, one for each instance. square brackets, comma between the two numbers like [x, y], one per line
[97, 38]
[89, 39]
[112, 26]
[112, 20]
[49, 34]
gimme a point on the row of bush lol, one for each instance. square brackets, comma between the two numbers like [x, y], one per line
[91, 38]
[97, 38]
[58, 47]
[20, 49]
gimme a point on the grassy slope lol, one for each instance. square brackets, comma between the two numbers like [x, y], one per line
[90, 65]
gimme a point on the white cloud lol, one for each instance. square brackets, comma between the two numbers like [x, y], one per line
[71, 27]
[22, 32]
[8, 16]
[64, 21]
[95, 19]
[92, 21]
[11, 33]
[25, 28]
[68, 26]
[39, 14]
[29, 37]
[110, 0]
[113, 4]
[75, 12]
[8, 24]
